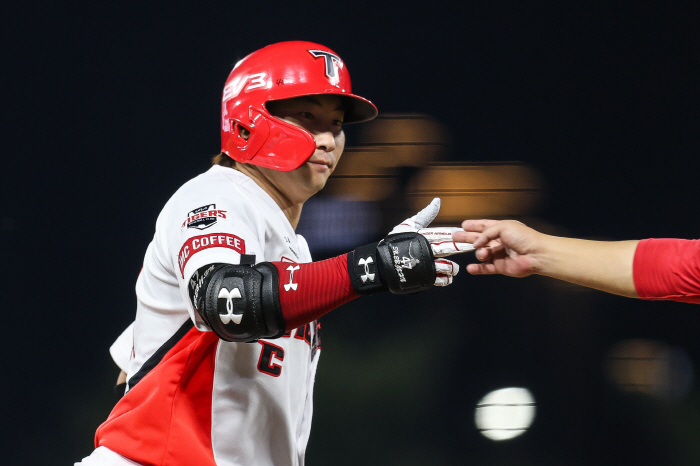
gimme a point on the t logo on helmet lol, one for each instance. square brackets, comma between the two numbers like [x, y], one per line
[333, 62]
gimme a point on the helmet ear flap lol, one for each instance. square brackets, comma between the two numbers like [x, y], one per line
[246, 148]
[283, 138]
[269, 138]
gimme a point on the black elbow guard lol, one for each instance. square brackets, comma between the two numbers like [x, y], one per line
[238, 302]
[400, 263]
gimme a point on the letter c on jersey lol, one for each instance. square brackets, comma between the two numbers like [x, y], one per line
[268, 353]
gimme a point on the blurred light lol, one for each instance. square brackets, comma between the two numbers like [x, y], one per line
[333, 224]
[398, 155]
[505, 414]
[410, 140]
[471, 190]
[363, 174]
[371, 171]
[650, 367]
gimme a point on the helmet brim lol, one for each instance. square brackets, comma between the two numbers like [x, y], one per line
[358, 109]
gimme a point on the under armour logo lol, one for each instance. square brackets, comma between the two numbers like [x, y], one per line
[333, 62]
[229, 295]
[290, 285]
[365, 263]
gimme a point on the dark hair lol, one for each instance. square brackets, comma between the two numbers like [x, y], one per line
[223, 160]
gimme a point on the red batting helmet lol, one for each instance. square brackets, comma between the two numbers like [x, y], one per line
[282, 71]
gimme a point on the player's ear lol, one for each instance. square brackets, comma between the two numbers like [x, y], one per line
[244, 133]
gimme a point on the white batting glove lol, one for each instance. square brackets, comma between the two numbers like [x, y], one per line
[440, 240]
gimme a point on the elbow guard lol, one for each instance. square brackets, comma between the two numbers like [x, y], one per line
[238, 302]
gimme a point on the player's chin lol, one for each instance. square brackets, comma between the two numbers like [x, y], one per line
[313, 184]
[318, 184]
[319, 178]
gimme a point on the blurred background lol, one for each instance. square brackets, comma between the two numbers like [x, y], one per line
[578, 118]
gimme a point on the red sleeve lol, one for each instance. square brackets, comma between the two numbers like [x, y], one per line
[668, 269]
[308, 291]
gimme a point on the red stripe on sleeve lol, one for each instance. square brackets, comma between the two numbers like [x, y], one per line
[308, 291]
[668, 269]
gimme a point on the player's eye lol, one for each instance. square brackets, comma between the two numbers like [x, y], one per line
[307, 115]
[338, 123]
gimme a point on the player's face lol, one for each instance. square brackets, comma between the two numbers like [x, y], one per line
[322, 116]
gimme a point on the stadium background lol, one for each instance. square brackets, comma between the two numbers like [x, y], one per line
[589, 110]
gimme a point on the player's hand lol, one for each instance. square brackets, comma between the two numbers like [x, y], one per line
[440, 240]
[505, 247]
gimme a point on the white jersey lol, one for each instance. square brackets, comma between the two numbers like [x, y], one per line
[193, 398]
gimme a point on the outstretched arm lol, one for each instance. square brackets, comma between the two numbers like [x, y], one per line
[511, 248]
[270, 298]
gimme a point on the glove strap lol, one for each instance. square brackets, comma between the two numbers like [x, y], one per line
[363, 268]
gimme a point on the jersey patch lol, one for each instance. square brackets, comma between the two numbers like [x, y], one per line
[213, 240]
[203, 217]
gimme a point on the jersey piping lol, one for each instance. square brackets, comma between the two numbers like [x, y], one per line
[160, 353]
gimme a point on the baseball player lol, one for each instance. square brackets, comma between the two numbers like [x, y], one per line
[225, 341]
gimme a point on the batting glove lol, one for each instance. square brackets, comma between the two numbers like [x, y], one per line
[440, 240]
